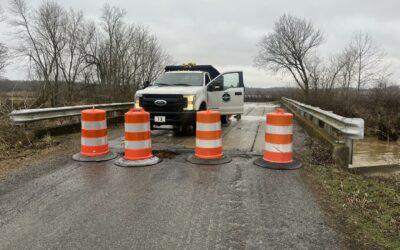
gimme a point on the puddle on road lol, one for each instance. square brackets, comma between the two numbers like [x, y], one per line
[165, 154]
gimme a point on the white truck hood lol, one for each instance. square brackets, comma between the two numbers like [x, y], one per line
[184, 90]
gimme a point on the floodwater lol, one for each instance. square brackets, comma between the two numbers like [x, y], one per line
[374, 152]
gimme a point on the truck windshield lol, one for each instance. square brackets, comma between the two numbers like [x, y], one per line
[180, 79]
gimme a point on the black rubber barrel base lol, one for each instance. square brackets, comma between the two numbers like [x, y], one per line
[195, 160]
[109, 156]
[277, 166]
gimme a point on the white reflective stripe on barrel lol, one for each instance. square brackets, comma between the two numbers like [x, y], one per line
[200, 126]
[137, 127]
[94, 125]
[278, 148]
[94, 141]
[138, 144]
[279, 130]
[208, 143]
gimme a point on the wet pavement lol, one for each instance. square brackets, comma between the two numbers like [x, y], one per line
[172, 205]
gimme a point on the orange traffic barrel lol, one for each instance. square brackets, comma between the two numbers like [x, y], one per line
[208, 139]
[208, 135]
[138, 151]
[278, 149]
[94, 142]
[137, 135]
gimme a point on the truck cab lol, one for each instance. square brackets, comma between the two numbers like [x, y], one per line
[181, 91]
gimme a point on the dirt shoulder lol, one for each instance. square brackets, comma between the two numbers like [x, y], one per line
[44, 151]
[365, 210]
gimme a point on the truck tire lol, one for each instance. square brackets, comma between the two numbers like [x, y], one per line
[203, 107]
[224, 120]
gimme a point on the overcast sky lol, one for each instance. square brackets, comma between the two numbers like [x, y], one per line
[225, 32]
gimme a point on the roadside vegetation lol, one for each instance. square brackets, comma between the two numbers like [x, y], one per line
[366, 210]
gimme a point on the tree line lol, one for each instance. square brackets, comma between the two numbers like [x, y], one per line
[69, 53]
[292, 49]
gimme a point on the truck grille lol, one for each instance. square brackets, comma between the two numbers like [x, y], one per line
[175, 103]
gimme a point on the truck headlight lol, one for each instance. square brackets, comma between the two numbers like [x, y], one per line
[137, 103]
[190, 102]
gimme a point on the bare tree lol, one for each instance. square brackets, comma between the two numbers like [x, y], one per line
[71, 59]
[41, 36]
[124, 55]
[288, 47]
[359, 64]
[368, 57]
[51, 19]
[3, 48]
[3, 57]
[317, 72]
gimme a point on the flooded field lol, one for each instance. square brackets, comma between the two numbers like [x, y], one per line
[373, 152]
[373, 157]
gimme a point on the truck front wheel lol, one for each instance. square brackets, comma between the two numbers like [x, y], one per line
[225, 120]
[203, 107]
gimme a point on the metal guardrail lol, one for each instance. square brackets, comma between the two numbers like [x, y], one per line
[341, 128]
[24, 116]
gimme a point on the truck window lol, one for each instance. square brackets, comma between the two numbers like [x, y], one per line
[231, 80]
[207, 79]
[180, 79]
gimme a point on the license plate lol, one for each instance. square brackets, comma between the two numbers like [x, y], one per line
[159, 118]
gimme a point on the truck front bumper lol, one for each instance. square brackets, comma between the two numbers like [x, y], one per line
[183, 118]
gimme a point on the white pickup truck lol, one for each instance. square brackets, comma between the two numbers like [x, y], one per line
[176, 96]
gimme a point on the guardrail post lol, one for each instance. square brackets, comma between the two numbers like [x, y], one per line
[349, 144]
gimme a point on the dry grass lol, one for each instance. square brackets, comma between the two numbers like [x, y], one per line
[15, 141]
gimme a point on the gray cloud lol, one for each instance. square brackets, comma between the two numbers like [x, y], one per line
[225, 33]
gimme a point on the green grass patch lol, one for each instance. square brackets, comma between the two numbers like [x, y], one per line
[370, 206]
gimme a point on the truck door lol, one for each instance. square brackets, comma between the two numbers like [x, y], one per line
[225, 93]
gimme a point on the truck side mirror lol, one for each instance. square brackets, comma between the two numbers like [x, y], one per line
[217, 85]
